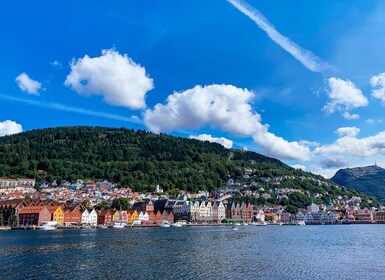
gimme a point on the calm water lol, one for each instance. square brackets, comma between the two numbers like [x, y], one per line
[272, 252]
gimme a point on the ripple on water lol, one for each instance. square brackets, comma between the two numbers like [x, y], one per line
[321, 252]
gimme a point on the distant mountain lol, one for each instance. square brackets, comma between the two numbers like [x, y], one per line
[369, 180]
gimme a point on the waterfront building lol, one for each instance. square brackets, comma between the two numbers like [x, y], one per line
[85, 216]
[103, 217]
[379, 216]
[34, 215]
[181, 210]
[285, 217]
[132, 216]
[364, 215]
[194, 211]
[57, 214]
[219, 212]
[308, 218]
[300, 216]
[158, 217]
[72, 215]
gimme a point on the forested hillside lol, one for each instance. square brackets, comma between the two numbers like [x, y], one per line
[136, 158]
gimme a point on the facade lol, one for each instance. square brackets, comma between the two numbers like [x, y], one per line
[34, 215]
[219, 212]
[103, 217]
[57, 214]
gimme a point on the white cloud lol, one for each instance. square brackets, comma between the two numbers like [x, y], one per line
[348, 145]
[348, 116]
[307, 58]
[224, 107]
[278, 147]
[116, 77]
[348, 131]
[27, 84]
[206, 137]
[9, 127]
[344, 96]
[378, 83]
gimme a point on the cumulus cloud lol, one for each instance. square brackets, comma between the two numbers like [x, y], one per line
[9, 127]
[116, 77]
[224, 107]
[348, 131]
[307, 58]
[344, 96]
[378, 83]
[278, 147]
[348, 116]
[27, 84]
[206, 137]
[349, 145]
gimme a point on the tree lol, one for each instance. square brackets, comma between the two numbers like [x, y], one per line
[102, 205]
[120, 203]
[291, 209]
[87, 203]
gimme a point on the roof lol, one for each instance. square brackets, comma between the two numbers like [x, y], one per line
[53, 208]
[13, 203]
[32, 209]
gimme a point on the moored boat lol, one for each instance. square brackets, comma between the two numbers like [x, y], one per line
[259, 224]
[177, 224]
[5, 228]
[165, 224]
[49, 226]
[119, 224]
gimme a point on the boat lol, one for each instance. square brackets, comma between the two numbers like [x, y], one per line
[177, 224]
[119, 224]
[259, 224]
[5, 228]
[300, 223]
[245, 224]
[165, 224]
[102, 226]
[49, 226]
[235, 228]
[237, 224]
[345, 221]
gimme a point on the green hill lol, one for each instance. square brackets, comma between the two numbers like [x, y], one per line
[369, 180]
[141, 159]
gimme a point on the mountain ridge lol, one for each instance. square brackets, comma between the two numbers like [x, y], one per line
[368, 179]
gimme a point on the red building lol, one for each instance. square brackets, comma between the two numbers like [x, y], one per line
[34, 215]
[104, 217]
[72, 215]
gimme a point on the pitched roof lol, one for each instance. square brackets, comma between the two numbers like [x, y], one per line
[32, 209]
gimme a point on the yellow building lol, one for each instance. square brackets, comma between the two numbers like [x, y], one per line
[116, 216]
[57, 214]
[132, 216]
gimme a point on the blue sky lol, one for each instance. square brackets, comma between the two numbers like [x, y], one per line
[302, 82]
